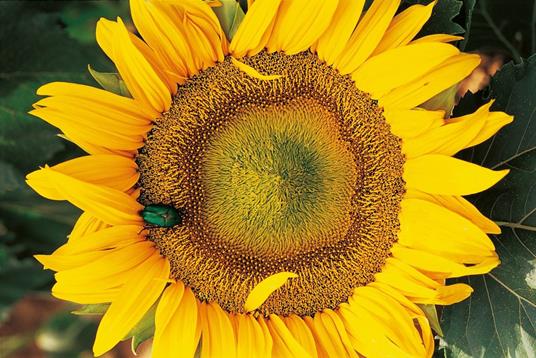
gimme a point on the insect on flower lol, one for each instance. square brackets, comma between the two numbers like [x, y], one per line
[162, 215]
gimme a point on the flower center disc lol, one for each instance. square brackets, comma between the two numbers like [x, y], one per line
[278, 181]
[297, 174]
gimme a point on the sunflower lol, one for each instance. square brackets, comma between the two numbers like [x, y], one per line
[283, 193]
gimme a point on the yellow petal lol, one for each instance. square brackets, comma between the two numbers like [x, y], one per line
[405, 26]
[106, 32]
[207, 20]
[328, 345]
[333, 334]
[396, 320]
[218, 338]
[493, 121]
[165, 312]
[439, 267]
[109, 238]
[251, 32]
[418, 287]
[301, 333]
[250, 71]
[264, 40]
[332, 42]
[367, 310]
[144, 82]
[458, 133]
[387, 311]
[250, 340]
[109, 205]
[433, 228]
[112, 262]
[452, 294]
[411, 307]
[131, 109]
[413, 310]
[367, 334]
[458, 205]
[447, 139]
[266, 350]
[166, 40]
[91, 128]
[58, 262]
[177, 328]
[265, 288]
[409, 123]
[439, 174]
[100, 114]
[285, 345]
[427, 335]
[235, 317]
[437, 38]
[320, 349]
[191, 23]
[91, 148]
[444, 76]
[299, 24]
[367, 35]
[86, 224]
[104, 36]
[135, 298]
[87, 297]
[279, 349]
[113, 171]
[109, 283]
[396, 67]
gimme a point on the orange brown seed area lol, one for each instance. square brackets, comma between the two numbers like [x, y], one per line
[252, 162]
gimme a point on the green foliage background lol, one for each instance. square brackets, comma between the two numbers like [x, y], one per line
[44, 41]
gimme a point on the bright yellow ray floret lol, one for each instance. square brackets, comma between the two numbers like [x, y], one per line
[265, 288]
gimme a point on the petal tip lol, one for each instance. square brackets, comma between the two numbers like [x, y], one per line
[260, 293]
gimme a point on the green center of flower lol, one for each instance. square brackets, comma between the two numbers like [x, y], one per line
[278, 179]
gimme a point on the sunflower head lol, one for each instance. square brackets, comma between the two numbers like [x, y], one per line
[280, 193]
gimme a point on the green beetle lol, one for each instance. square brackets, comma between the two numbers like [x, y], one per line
[162, 215]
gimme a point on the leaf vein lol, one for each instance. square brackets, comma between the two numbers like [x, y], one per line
[519, 297]
[493, 317]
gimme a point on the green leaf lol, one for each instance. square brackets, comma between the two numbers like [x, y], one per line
[468, 8]
[244, 5]
[34, 51]
[430, 312]
[444, 101]
[230, 15]
[441, 21]
[499, 319]
[143, 330]
[503, 27]
[39, 224]
[10, 178]
[110, 81]
[97, 309]
[25, 141]
[17, 278]
[81, 17]
[139, 338]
